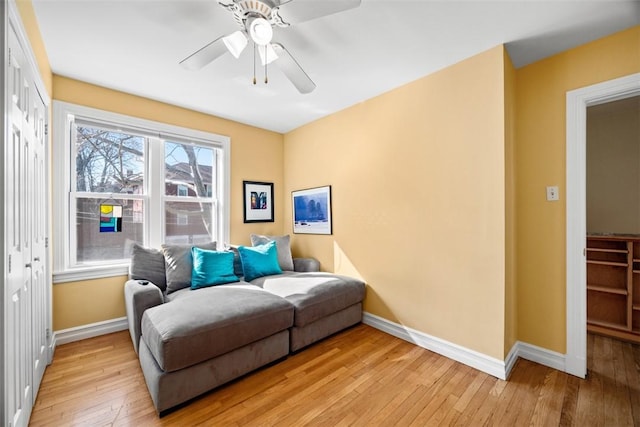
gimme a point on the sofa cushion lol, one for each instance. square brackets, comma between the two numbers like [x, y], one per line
[212, 321]
[283, 245]
[314, 295]
[178, 264]
[259, 260]
[148, 264]
[211, 268]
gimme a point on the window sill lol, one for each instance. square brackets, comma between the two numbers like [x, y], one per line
[90, 273]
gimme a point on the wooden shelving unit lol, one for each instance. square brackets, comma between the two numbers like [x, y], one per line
[613, 286]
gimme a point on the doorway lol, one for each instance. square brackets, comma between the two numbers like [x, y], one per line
[613, 219]
[577, 103]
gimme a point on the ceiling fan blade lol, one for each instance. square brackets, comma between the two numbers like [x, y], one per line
[207, 54]
[296, 11]
[294, 72]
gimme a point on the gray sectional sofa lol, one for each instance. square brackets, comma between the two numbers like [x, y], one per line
[190, 341]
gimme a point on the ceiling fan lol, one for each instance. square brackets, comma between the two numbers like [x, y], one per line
[256, 19]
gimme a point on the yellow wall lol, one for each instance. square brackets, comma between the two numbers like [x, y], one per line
[256, 154]
[541, 161]
[28, 17]
[418, 191]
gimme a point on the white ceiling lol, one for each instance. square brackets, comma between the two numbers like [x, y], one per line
[135, 46]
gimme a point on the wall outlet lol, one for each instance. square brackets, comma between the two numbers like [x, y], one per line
[552, 193]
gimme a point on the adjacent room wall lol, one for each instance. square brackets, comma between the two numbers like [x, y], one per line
[613, 167]
[541, 161]
[418, 188]
[256, 154]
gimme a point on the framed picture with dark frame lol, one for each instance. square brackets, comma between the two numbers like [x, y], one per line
[258, 201]
[312, 211]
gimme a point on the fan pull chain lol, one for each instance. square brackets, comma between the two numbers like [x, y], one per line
[266, 79]
[254, 63]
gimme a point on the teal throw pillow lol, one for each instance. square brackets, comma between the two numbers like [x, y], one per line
[211, 268]
[258, 261]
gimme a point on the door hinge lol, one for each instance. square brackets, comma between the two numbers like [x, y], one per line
[46, 242]
[9, 61]
[46, 129]
[9, 264]
[48, 334]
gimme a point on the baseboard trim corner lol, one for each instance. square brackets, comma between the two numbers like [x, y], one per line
[78, 333]
[542, 356]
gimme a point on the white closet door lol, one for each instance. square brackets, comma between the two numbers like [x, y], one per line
[26, 287]
[37, 173]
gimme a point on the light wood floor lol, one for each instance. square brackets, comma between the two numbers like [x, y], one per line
[359, 377]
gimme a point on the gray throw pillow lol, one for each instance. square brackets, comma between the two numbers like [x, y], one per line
[283, 246]
[179, 264]
[148, 264]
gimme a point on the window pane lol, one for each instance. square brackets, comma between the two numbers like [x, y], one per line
[187, 222]
[188, 169]
[109, 162]
[95, 245]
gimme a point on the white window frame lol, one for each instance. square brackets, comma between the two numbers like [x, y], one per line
[63, 118]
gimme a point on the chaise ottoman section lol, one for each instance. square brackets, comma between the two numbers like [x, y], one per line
[211, 322]
[169, 389]
[324, 303]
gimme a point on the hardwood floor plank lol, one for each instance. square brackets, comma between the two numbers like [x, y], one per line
[443, 394]
[548, 409]
[527, 396]
[360, 377]
[477, 401]
[632, 372]
[570, 402]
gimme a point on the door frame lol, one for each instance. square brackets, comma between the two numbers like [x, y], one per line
[577, 102]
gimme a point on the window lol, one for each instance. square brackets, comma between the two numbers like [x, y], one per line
[188, 206]
[182, 219]
[109, 173]
[182, 190]
[126, 181]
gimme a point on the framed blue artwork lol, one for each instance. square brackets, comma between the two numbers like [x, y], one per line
[312, 211]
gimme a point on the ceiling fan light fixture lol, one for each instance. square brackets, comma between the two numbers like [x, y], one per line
[235, 43]
[260, 31]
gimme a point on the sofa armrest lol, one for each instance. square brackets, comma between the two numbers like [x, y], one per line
[138, 298]
[302, 265]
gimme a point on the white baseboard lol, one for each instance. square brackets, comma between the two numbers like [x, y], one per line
[482, 362]
[78, 333]
[541, 355]
[490, 365]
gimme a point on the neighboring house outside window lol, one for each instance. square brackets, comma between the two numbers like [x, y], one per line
[182, 190]
[168, 184]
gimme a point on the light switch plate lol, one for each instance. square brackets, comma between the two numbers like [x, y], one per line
[552, 193]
